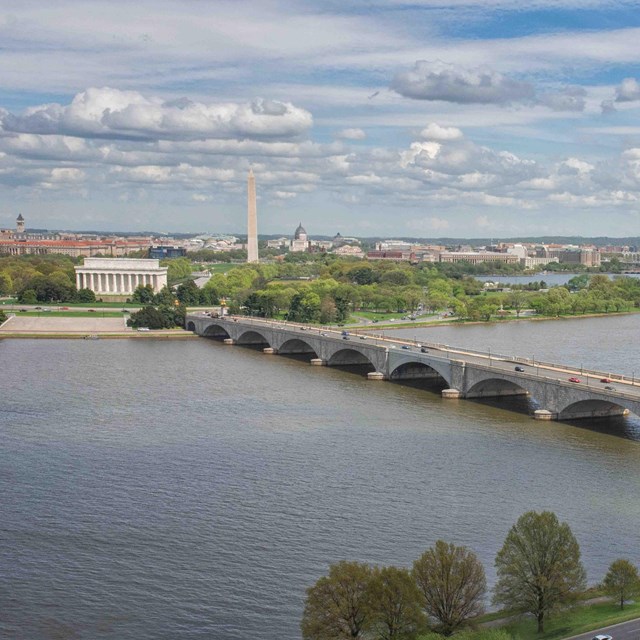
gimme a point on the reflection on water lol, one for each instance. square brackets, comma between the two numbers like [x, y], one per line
[156, 489]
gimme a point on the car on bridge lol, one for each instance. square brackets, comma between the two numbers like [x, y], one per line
[424, 350]
[608, 387]
[605, 380]
[574, 379]
[602, 636]
[520, 369]
[404, 346]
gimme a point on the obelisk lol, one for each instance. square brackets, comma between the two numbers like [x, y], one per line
[252, 220]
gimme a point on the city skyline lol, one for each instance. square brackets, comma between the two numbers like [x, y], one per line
[383, 118]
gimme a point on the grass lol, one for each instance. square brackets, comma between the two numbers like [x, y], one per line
[578, 620]
[72, 314]
[221, 267]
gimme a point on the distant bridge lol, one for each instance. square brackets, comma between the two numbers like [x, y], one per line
[464, 372]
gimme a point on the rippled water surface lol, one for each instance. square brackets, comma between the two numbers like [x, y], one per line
[157, 489]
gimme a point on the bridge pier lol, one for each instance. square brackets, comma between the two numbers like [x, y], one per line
[318, 362]
[543, 414]
[451, 394]
[229, 341]
[269, 350]
[376, 375]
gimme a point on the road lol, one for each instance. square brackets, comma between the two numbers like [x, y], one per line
[621, 386]
[623, 631]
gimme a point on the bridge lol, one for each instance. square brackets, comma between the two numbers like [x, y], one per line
[464, 373]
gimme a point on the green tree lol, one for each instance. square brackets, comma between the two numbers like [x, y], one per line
[621, 581]
[6, 284]
[85, 295]
[188, 293]
[395, 602]
[452, 582]
[164, 297]
[147, 317]
[338, 606]
[143, 294]
[3, 316]
[539, 567]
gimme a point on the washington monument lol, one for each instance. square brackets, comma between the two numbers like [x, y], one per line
[252, 220]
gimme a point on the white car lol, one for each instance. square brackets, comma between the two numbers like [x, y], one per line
[602, 636]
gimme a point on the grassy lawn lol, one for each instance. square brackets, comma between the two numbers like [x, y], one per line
[375, 315]
[72, 314]
[575, 621]
[220, 268]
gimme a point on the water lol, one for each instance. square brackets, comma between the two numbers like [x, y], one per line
[158, 489]
[551, 279]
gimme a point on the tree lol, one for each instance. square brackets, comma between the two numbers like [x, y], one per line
[539, 566]
[452, 583]
[395, 603]
[143, 294]
[621, 581]
[147, 317]
[338, 605]
[3, 317]
[85, 295]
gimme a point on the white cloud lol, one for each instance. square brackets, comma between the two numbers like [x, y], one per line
[628, 91]
[568, 99]
[111, 113]
[434, 131]
[352, 134]
[452, 83]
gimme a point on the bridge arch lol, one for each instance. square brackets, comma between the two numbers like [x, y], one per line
[592, 408]
[252, 338]
[296, 346]
[416, 369]
[191, 326]
[347, 357]
[216, 331]
[495, 387]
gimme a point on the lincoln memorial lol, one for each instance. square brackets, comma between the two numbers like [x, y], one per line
[120, 276]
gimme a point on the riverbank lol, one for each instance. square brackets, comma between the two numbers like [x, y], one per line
[446, 322]
[72, 327]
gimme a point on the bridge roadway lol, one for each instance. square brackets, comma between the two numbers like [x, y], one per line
[465, 373]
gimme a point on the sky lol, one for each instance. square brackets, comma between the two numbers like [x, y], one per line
[394, 118]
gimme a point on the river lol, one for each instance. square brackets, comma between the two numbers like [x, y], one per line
[159, 489]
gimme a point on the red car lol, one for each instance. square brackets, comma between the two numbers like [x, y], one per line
[605, 380]
[574, 379]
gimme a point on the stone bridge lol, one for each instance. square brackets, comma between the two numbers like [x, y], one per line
[462, 373]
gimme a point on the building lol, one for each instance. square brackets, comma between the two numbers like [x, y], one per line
[476, 257]
[252, 220]
[107, 276]
[73, 248]
[162, 252]
[300, 240]
[19, 224]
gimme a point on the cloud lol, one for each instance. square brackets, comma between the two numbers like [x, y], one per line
[115, 114]
[452, 83]
[571, 98]
[434, 131]
[628, 90]
[352, 134]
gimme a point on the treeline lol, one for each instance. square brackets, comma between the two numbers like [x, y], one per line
[327, 291]
[47, 278]
[162, 310]
[538, 568]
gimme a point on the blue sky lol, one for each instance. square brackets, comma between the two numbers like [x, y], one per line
[380, 117]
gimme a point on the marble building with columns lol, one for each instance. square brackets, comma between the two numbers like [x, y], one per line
[120, 276]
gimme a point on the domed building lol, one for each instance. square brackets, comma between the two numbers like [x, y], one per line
[300, 240]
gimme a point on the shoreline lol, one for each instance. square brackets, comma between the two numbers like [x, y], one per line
[74, 335]
[449, 323]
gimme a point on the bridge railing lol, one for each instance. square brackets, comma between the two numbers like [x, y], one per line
[532, 362]
[563, 383]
